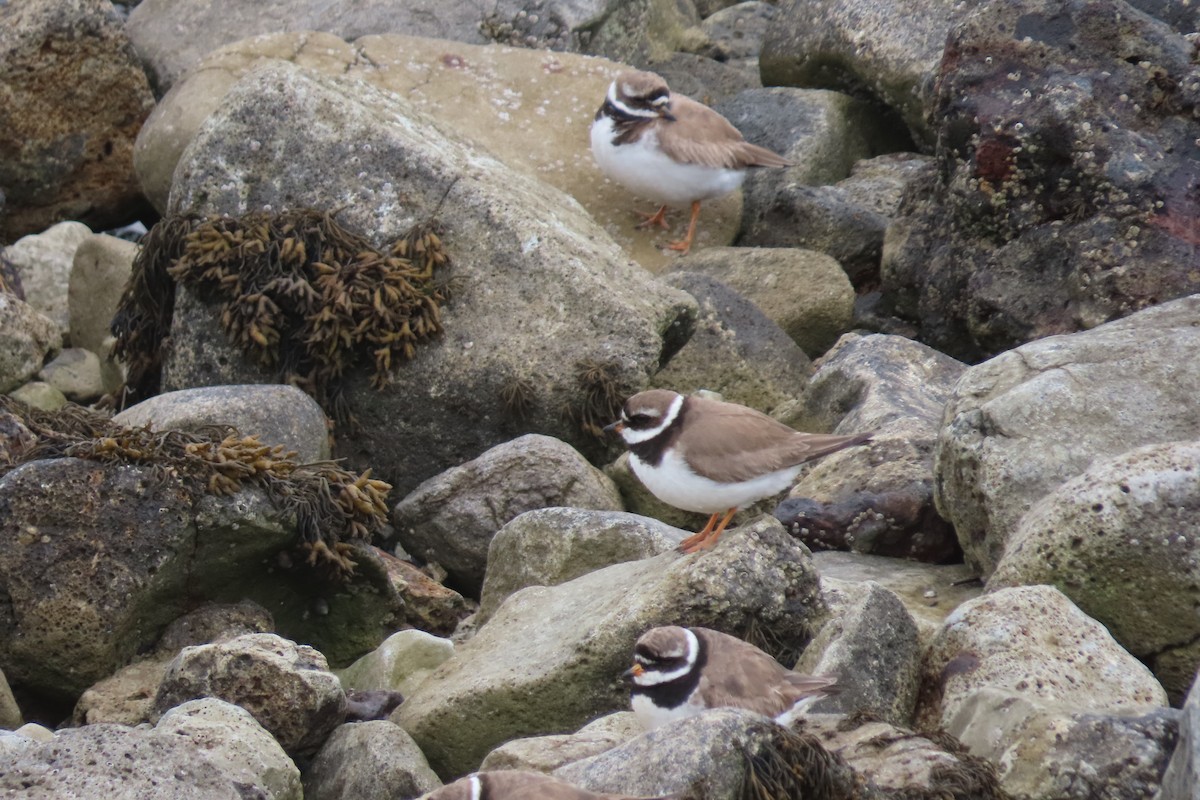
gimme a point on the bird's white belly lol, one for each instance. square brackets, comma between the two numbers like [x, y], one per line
[651, 716]
[673, 482]
[643, 169]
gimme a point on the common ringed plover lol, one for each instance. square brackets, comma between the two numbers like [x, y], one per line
[670, 149]
[705, 455]
[679, 672]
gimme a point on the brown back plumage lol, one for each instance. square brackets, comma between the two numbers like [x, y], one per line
[737, 443]
[740, 675]
[699, 135]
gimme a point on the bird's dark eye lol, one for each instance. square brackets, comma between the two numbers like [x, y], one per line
[640, 420]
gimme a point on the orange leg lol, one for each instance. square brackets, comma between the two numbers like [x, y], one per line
[696, 538]
[707, 537]
[658, 218]
[685, 244]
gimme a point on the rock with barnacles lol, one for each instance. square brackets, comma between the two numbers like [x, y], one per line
[451, 518]
[878, 498]
[543, 323]
[550, 659]
[1057, 204]
[286, 687]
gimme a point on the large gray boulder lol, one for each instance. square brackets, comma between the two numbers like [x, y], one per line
[1114, 540]
[546, 309]
[1021, 424]
[551, 657]
[1032, 641]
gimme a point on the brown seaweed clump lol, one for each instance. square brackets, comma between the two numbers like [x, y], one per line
[334, 508]
[796, 765]
[298, 293]
[602, 396]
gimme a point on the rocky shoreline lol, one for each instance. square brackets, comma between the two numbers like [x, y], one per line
[985, 251]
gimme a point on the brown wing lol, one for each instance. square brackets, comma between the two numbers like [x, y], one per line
[760, 443]
[699, 135]
[745, 677]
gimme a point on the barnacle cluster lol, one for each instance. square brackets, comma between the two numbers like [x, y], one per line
[298, 293]
[333, 507]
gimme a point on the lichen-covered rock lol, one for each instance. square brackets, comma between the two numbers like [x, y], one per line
[368, 759]
[127, 696]
[554, 545]
[804, 292]
[39, 395]
[1118, 540]
[69, 120]
[1033, 642]
[1058, 203]
[451, 518]
[1047, 751]
[26, 339]
[548, 318]
[281, 415]
[287, 687]
[1021, 424]
[551, 657]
